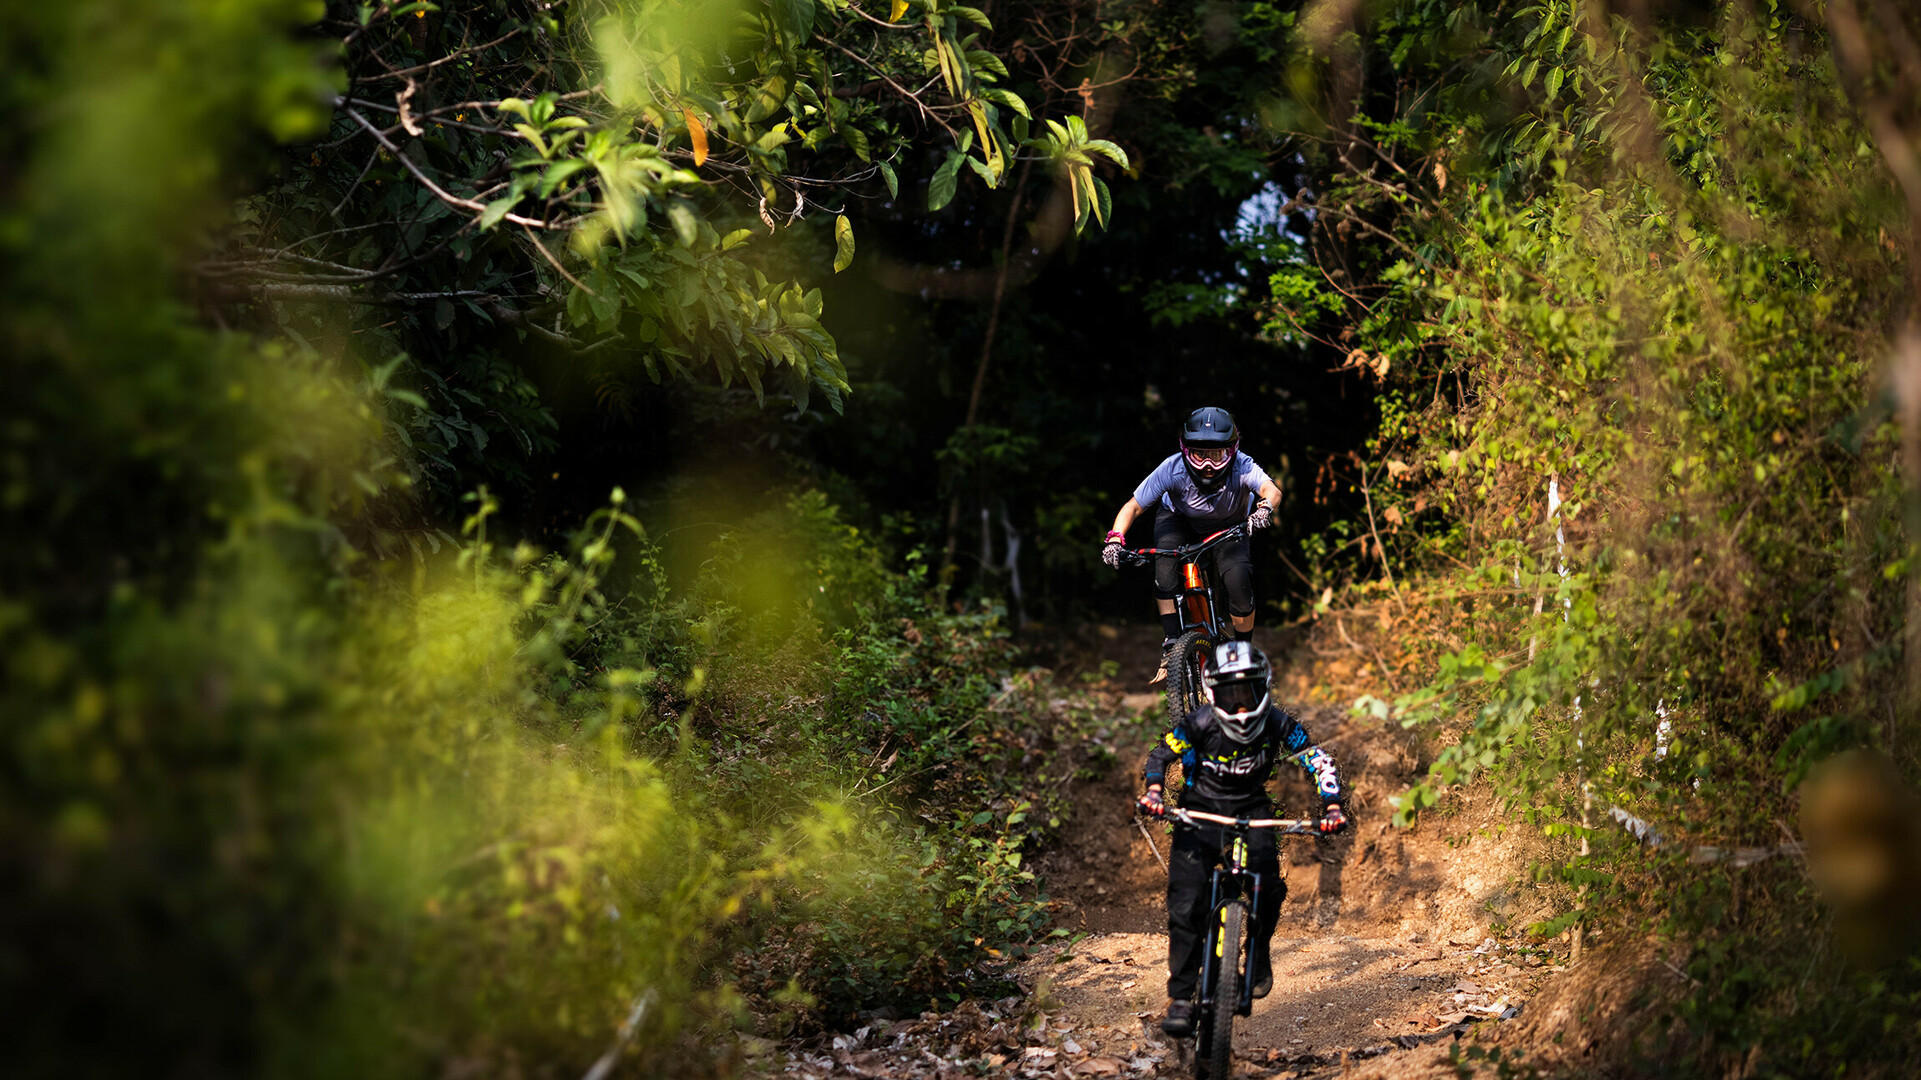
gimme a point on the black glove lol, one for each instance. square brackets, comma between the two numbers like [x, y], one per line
[1332, 820]
[1111, 552]
[1262, 516]
[1150, 802]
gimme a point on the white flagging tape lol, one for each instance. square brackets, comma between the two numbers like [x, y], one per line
[1640, 829]
[1738, 856]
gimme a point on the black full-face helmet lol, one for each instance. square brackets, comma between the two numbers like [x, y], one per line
[1237, 685]
[1209, 441]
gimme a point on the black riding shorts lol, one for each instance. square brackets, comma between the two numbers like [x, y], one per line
[1233, 562]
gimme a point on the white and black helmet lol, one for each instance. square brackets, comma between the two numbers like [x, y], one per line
[1236, 684]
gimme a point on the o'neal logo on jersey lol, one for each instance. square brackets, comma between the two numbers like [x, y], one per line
[1238, 766]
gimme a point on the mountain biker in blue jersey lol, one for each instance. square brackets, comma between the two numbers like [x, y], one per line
[1204, 488]
[1228, 749]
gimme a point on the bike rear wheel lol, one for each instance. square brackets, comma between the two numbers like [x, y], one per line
[1218, 1054]
[1187, 658]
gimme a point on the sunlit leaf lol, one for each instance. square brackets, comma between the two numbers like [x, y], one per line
[990, 146]
[1007, 98]
[1108, 150]
[696, 135]
[843, 243]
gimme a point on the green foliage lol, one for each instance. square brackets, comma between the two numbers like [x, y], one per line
[505, 179]
[296, 782]
[1655, 267]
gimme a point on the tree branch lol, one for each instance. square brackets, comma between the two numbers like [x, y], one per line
[439, 192]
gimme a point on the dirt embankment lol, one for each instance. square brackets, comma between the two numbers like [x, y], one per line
[1391, 942]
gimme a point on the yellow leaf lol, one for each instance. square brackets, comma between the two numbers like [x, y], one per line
[991, 148]
[843, 246]
[900, 8]
[949, 65]
[697, 135]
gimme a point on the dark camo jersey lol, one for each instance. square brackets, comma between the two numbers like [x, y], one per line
[1228, 777]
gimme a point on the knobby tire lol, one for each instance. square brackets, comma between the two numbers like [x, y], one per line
[1219, 1055]
[1186, 659]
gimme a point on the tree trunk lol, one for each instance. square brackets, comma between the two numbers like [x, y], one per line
[947, 570]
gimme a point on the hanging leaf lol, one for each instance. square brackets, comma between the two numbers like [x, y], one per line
[893, 182]
[697, 135]
[843, 243]
[1008, 99]
[856, 141]
[686, 227]
[940, 189]
[1083, 198]
[768, 98]
[990, 146]
[900, 9]
[1108, 150]
[496, 210]
[950, 69]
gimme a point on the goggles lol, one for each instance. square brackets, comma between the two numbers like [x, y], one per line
[1239, 696]
[1208, 457]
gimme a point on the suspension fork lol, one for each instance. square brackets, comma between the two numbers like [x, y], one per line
[1211, 951]
[1212, 942]
[1212, 955]
[1246, 1002]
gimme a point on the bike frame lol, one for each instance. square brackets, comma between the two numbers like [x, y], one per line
[1196, 601]
[1232, 884]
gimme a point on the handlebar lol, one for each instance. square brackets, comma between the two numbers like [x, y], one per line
[1186, 552]
[1286, 825]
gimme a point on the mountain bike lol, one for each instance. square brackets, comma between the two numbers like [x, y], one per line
[1204, 622]
[1234, 894]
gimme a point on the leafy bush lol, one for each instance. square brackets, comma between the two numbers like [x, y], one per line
[1649, 269]
[271, 803]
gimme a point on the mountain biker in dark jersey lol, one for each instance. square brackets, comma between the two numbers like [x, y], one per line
[1204, 488]
[1228, 749]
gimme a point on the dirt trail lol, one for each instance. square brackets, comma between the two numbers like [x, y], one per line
[1385, 951]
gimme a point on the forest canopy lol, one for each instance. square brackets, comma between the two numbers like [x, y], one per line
[488, 484]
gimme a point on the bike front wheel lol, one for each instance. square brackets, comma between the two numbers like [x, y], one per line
[1187, 659]
[1215, 1061]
